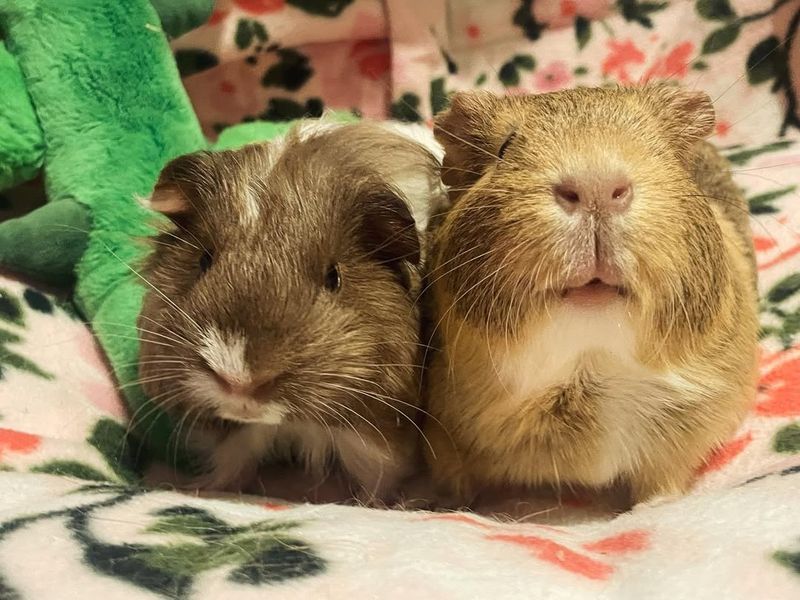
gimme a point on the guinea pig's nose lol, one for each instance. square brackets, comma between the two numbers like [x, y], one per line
[608, 194]
[257, 388]
[231, 384]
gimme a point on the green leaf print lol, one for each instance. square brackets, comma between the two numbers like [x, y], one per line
[438, 95]
[244, 34]
[191, 61]
[787, 439]
[788, 559]
[509, 74]
[721, 38]
[11, 308]
[524, 61]
[10, 359]
[523, 18]
[406, 108]
[741, 157]
[260, 31]
[70, 468]
[715, 10]
[285, 109]
[765, 61]
[112, 441]
[784, 288]
[583, 31]
[639, 12]
[187, 520]
[258, 553]
[762, 203]
[291, 71]
[279, 562]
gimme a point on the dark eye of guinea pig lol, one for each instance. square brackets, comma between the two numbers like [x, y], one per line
[504, 147]
[205, 261]
[333, 278]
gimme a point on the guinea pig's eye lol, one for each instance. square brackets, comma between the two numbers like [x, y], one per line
[504, 147]
[333, 278]
[205, 261]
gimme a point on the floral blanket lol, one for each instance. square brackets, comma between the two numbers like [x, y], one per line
[73, 524]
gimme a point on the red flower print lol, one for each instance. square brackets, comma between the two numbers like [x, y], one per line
[217, 17]
[635, 540]
[674, 64]
[763, 243]
[725, 453]
[559, 555]
[554, 76]
[779, 388]
[783, 256]
[473, 32]
[373, 58]
[17, 441]
[459, 518]
[620, 57]
[273, 506]
[722, 128]
[579, 561]
[562, 13]
[260, 7]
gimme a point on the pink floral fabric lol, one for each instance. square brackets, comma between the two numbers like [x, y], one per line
[70, 503]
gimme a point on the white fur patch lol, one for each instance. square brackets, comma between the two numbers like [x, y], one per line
[225, 353]
[424, 196]
[549, 356]
[602, 339]
[273, 413]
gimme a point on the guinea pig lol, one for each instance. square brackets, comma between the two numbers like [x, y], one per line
[593, 290]
[281, 319]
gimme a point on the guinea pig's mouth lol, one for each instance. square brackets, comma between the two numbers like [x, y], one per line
[596, 291]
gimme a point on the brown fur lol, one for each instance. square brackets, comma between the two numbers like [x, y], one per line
[321, 201]
[499, 265]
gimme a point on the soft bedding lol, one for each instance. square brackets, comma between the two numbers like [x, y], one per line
[73, 522]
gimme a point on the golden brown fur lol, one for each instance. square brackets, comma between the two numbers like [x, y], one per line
[501, 260]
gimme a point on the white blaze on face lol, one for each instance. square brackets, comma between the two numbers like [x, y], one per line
[224, 353]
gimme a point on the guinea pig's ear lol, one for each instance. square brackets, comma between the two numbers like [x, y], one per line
[690, 113]
[471, 131]
[176, 191]
[389, 232]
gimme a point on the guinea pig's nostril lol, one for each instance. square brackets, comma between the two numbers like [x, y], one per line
[567, 193]
[620, 192]
[567, 197]
[230, 384]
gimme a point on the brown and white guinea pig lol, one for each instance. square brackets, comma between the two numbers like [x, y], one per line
[593, 290]
[282, 320]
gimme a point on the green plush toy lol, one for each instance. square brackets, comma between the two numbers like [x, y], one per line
[91, 96]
